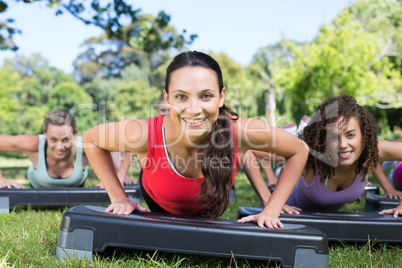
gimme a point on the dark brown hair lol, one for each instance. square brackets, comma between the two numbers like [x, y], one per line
[315, 135]
[215, 189]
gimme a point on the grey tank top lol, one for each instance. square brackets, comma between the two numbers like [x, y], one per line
[40, 178]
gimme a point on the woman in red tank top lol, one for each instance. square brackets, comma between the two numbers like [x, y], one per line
[191, 155]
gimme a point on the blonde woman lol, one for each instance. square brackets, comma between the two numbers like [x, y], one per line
[57, 156]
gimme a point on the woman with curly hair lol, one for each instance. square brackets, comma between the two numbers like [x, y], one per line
[344, 149]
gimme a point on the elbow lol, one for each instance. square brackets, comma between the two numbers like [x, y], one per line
[87, 140]
[304, 151]
[86, 137]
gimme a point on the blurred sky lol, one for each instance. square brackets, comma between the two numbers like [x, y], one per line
[236, 27]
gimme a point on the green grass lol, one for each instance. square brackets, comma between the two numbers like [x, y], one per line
[28, 238]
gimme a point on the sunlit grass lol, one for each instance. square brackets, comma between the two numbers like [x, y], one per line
[28, 238]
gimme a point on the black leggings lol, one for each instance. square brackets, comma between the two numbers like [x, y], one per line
[152, 205]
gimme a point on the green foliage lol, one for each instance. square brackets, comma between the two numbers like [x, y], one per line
[343, 59]
[146, 44]
[30, 88]
[260, 72]
[387, 134]
[240, 95]
[383, 18]
[111, 17]
[70, 96]
[7, 31]
[101, 89]
[10, 86]
[133, 100]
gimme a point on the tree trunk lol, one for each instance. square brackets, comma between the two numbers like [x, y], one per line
[270, 107]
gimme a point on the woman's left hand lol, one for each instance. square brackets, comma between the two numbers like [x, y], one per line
[394, 194]
[394, 211]
[129, 181]
[263, 219]
[290, 210]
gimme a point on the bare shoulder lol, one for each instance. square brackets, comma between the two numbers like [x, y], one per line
[135, 133]
[246, 126]
[390, 150]
[251, 133]
[247, 123]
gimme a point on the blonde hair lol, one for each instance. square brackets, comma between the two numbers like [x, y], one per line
[60, 118]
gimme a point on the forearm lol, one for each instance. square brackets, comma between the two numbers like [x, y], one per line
[102, 164]
[287, 180]
[253, 173]
[268, 171]
[379, 175]
[122, 172]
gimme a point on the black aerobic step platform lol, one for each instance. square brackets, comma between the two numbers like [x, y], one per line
[58, 197]
[344, 226]
[88, 229]
[369, 189]
[376, 202]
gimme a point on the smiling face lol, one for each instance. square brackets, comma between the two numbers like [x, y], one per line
[347, 142]
[59, 141]
[194, 100]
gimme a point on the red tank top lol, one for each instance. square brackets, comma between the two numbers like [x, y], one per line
[173, 192]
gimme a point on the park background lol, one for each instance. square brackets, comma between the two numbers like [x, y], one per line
[118, 73]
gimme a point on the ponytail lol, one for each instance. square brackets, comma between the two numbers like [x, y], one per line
[217, 165]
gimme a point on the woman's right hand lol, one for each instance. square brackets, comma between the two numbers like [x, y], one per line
[125, 207]
[10, 185]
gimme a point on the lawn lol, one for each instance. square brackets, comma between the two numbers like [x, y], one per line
[28, 238]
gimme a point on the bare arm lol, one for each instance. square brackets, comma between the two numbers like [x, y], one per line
[257, 135]
[18, 143]
[253, 173]
[379, 175]
[390, 150]
[122, 171]
[252, 170]
[124, 136]
[268, 171]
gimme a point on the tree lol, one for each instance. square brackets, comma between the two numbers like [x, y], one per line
[148, 48]
[30, 88]
[384, 18]
[110, 16]
[260, 71]
[133, 100]
[10, 86]
[37, 78]
[7, 31]
[344, 58]
[70, 96]
[240, 95]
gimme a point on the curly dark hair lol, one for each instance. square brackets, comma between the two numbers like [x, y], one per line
[315, 135]
[215, 189]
